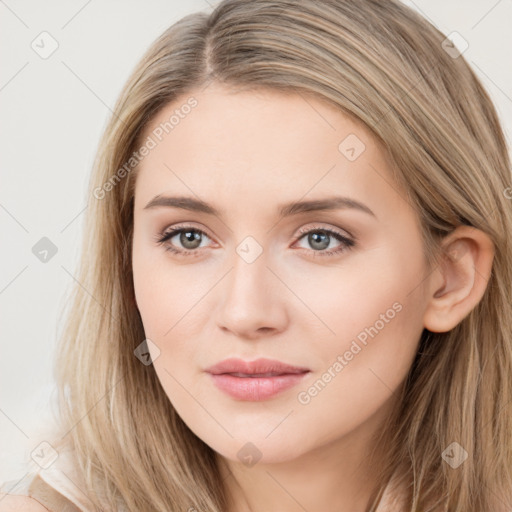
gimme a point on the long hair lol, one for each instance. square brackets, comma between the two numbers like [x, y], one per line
[384, 65]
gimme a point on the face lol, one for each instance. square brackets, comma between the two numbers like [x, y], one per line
[331, 286]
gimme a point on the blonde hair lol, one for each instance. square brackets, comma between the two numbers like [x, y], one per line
[384, 65]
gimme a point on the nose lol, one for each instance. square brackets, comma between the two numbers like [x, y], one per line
[252, 300]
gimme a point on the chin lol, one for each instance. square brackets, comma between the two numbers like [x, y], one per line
[254, 449]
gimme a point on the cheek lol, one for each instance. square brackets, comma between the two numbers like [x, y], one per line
[169, 301]
[167, 314]
[163, 294]
[168, 319]
[369, 292]
[361, 373]
[362, 368]
[375, 311]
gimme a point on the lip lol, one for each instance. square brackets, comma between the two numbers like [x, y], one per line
[255, 380]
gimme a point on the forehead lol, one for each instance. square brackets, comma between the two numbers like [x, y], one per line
[264, 123]
[244, 146]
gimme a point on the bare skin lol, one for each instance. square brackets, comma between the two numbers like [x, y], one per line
[247, 154]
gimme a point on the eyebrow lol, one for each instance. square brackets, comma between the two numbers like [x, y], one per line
[286, 210]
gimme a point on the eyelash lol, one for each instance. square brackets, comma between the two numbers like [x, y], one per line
[163, 237]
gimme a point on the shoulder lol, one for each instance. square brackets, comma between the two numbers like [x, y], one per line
[12, 503]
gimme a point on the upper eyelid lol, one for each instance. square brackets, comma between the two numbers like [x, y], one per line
[340, 231]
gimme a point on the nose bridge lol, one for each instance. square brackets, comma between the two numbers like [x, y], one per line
[251, 298]
[249, 276]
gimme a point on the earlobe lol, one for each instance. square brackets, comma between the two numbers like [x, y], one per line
[460, 280]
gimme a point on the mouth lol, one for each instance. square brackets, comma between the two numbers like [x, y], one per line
[255, 380]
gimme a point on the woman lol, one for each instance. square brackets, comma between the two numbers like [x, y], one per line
[296, 279]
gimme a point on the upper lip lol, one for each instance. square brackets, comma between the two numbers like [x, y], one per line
[258, 366]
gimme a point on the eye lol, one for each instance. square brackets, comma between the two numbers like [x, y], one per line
[189, 237]
[320, 238]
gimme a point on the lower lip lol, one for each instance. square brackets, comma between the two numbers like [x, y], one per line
[256, 388]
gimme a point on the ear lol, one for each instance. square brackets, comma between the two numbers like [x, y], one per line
[459, 282]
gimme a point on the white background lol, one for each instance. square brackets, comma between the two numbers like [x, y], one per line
[52, 113]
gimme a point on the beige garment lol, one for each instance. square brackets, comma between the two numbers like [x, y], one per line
[59, 487]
